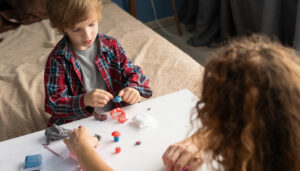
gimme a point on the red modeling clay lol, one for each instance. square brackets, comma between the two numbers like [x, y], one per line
[118, 149]
[119, 114]
[116, 134]
[100, 117]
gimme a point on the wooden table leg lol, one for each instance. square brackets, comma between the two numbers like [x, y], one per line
[176, 17]
[132, 7]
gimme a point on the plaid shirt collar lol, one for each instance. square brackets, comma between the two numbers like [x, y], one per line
[65, 47]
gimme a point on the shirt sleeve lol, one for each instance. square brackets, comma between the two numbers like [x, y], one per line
[133, 74]
[57, 101]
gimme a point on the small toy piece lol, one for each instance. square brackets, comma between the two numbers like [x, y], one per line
[116, 135]
[143, 120]
[100, 117]
[118, 150]
[138, 143]
[56, 133]
[119, 114]
[118, 99]
[33, 162]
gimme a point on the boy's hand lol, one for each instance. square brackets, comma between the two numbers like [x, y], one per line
[130, 95]
[97, 98]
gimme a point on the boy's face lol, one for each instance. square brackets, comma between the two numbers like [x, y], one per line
[83, 34]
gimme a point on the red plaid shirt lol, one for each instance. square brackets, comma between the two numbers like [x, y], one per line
[65, 90]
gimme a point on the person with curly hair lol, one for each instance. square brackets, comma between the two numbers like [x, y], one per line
[249, 111]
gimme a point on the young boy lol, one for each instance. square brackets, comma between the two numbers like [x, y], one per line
[86, 70]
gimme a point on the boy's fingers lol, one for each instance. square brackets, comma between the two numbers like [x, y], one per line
[102, 102]
[106, 93]
[130, 98]
[110, 95]
[125, 96]
[105, 97]
[102, 96]
[121, 93]
[134, 97]
[99, 103]
[137, 99]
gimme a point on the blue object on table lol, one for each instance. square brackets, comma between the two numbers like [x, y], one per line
[116, 139]
[118, 99]
[33, 161]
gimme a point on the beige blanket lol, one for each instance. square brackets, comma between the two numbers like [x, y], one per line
[24, 51]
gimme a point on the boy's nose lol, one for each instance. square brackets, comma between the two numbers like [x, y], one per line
[86, 34]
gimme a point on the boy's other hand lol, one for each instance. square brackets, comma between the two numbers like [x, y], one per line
[130, 95]
[97, 98]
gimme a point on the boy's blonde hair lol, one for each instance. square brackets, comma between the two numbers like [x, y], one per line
[66, 13]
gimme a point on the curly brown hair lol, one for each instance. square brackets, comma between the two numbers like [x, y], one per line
[251, 106]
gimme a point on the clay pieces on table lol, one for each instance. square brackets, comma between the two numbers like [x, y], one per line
[118, 99]
[33, 162]
[116, 135]
[119, 114]
[143, 120]
[118, 150]
[100, 117]
[56, 133]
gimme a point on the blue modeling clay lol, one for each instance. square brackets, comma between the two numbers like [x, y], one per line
[118, 99]
[33, 161]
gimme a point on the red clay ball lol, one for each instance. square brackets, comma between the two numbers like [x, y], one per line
[118, 149]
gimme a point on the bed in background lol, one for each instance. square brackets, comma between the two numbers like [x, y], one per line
[23, 53]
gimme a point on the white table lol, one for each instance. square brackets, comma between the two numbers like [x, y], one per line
[172, 117]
